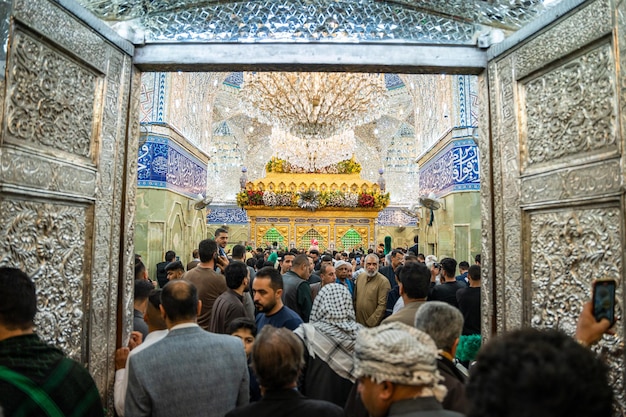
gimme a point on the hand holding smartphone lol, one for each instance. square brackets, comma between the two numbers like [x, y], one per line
[604, 299]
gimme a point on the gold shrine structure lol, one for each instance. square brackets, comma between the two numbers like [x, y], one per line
[335, 228]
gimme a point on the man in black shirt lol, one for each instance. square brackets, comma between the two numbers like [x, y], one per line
[446, 291]
[469, 302]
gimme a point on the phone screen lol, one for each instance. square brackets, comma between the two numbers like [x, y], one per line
[604, 300]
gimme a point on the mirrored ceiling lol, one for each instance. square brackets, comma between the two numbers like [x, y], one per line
[454, 22]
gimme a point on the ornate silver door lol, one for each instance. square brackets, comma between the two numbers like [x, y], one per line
[553, 169]
[67, 175]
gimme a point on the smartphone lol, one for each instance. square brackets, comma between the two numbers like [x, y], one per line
[604, 299]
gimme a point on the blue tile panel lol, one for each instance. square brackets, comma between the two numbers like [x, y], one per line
[454, 168]
[164, 164]
[227, 216]
[395, 217]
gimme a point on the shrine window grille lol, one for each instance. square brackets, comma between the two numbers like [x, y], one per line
[351, 240]
[272, 236]
[308, 237]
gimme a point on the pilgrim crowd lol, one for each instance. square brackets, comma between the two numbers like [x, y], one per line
[269, 332]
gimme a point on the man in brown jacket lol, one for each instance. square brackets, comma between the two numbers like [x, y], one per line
[209, 283]
[229, 305]
[371, 291]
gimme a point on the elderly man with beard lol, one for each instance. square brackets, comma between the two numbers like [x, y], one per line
[343, 271]
[371, 291]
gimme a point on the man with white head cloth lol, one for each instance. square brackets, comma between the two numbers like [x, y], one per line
[396, 366]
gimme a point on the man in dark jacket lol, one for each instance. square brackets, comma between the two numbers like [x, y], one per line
[35, 377]
[170, 256]
[444, 324]
[229, 305]
[296, 288]
[277, 359]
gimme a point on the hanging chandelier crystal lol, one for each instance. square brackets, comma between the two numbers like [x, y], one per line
[312, 156]
[314, 105]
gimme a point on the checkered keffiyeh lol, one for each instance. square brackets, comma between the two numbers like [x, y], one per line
[331, 334]
[400, 354]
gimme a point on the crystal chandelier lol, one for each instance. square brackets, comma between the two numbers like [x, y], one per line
[314, 105]
[312, 155]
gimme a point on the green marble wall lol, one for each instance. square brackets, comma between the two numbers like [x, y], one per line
[164, 221]
[456, 229]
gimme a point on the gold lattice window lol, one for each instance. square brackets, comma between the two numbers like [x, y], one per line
[272, 236]
[305, 240]
[351, 240]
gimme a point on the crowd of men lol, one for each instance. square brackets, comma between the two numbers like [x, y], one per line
[280, 333]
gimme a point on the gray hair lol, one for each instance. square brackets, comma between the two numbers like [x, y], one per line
[443, 322]
[372, 256]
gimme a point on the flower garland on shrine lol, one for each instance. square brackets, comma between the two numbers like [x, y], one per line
[313, 200]
[347, 166]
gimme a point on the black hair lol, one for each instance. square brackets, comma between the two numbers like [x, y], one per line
[170, 255]
[477, 258]
[235, 272]
[539, 373]
[172, 266]
[474, 272]
[155, 298]
[18, 301]
[139, 269]
[207, 250]
[449, 266]
[142, 289]
[273, 274]
[238, 251]
[242, 323]
[220, 230]
[415, 279]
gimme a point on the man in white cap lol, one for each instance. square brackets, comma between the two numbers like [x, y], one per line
[396, 366]
[343, 271]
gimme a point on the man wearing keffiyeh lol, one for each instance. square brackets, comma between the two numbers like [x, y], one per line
[397, 369]
[329, 340]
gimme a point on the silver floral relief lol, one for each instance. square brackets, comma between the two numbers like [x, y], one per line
[45, 17]
[130, 205]
[599, 179]
[21, 167]
[621, 40]
[509, 161]
[50, 99]
[570, 111]
[585, 26]
[105, 264]
[569, 249]
[487, 216]
[498, 238]
[48, 242]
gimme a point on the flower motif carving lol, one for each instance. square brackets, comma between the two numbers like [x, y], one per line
[50, 98]
[569, 249]
[48, 242]
[570, 111]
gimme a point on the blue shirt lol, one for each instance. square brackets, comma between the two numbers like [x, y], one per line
[285, 317]
[347, 283]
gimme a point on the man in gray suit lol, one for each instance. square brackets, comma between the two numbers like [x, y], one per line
[190, 372]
